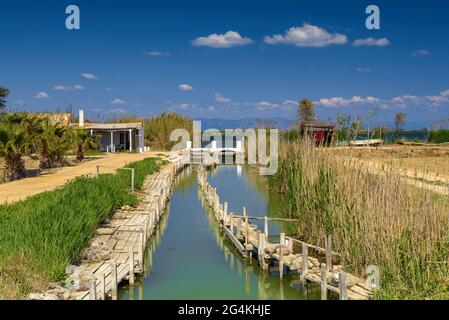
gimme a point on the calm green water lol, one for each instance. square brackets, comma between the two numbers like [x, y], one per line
[189, 258]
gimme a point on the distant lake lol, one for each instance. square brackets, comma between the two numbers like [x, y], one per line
[392, 137]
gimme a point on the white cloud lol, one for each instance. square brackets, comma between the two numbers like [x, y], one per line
[221, 99]
[212, 109]
[228, 40]
[68, 88]
[290, 103]
[118, 101]
[371, 42]
[185, 87]
[19, 102]
[108, 89]
[307, 36]
[157, 53]
[445, 93]
[42, 95]
[89, 76]
[420, 53]
[342, 102]
[364, 70]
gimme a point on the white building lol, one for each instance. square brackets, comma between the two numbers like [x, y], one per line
[115, 136]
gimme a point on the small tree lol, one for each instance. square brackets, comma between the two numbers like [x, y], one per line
[83, 140]
[14, 143]
[306, 111]
[399, 121]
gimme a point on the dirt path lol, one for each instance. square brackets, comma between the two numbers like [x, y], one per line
[18, 190]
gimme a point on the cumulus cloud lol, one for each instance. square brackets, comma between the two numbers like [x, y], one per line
[371, 42]
[42, 95]
[221, 99]
[157, 53]
[68, 88]
[185, 87]
[342, 102]
[89, 76]
[420, 53]
[307, 36]
[228, 40]
[118, 101]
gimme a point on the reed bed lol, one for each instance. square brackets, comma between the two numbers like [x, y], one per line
[42, 235]
[375, 218]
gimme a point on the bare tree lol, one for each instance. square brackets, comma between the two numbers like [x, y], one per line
[399, 120]
[306, 111]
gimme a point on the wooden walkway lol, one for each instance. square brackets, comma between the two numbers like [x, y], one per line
[117, 250]
[293, 255]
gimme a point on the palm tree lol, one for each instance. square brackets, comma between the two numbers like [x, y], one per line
[47, 137]
[13, 145]
[83, 140]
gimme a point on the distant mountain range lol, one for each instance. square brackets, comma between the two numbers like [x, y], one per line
[284, 124]
[221, 124]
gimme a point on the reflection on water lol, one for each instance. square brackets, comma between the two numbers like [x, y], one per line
[189, 258]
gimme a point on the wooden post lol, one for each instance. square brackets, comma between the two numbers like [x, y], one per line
[231, 217]
[266, 227]
[239, 227]
[342, 286]
[281, 255]
[98, 171]
[103, 286]
[328, 242]
[131, 268]
[244, 211]
[323, 282]
[225, 212]
[114, 281]
[133, 172]
[93, 290]
[305, 261]
[246, 231]
[142, 252]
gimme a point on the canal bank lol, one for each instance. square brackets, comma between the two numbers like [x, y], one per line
[116, 250]
[192, 259]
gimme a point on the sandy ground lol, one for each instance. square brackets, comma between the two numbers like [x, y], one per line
[51, 179]
[422, 166]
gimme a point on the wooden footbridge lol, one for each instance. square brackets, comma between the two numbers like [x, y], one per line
[314, 264]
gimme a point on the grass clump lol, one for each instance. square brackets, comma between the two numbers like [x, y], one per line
[47, 232]
[374, 217]
[439, 136]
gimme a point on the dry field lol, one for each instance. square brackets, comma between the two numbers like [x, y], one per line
[47, 180]
[423, 166]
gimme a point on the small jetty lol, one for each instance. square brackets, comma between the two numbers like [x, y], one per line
[314, 264]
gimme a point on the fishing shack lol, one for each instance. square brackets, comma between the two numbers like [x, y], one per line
[324, 135]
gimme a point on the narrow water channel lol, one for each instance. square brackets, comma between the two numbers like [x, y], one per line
[189, 257]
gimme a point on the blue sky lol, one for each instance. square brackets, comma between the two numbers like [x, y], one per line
[228, 59]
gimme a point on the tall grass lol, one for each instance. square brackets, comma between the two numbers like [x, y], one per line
[374, 218]
[158, 129]
[42, 235]
[439, 136]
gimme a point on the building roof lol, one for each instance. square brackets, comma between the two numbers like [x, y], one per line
[109, 126]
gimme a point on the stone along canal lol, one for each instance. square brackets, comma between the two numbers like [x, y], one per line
[189, 257]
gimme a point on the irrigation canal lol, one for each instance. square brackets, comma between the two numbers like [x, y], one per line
[189, 257]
